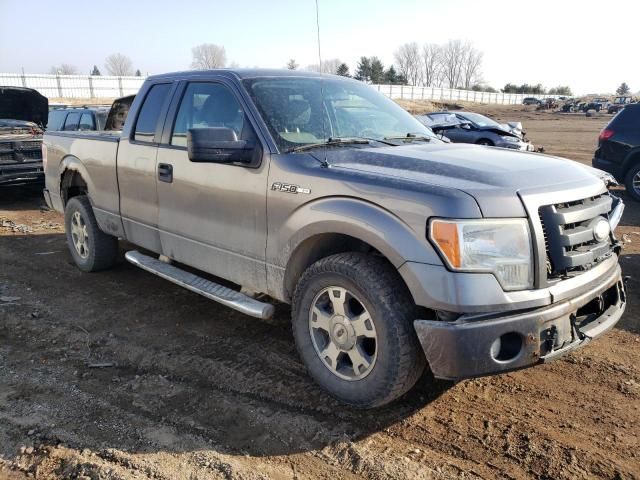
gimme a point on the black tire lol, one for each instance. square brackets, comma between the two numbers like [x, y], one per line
[485, 142]
[377, 285]
[101, 250]
[628, 182]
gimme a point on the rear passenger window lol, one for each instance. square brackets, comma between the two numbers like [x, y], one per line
[72, 121]
[150, 112]
[86, 122]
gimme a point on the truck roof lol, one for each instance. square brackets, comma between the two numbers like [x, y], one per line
[241, 73]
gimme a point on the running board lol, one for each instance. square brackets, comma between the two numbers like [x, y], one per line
[206, 288]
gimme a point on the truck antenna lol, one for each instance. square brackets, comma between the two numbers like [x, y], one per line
[324, 162]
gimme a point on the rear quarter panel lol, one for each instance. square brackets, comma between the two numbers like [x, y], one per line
[93, 155]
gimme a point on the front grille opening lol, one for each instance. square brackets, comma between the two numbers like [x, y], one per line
[570, 245]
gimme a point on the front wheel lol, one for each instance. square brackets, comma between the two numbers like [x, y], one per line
[353, 326]
[485, 142]
[91, 248]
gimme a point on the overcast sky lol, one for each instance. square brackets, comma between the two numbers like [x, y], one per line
[587, 45]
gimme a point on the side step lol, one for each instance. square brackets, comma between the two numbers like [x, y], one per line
[206, 288]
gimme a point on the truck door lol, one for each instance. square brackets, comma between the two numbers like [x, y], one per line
[212, 216]
[136, 167]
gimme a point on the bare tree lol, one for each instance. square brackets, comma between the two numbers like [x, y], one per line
[208, 56]
[292, 64]
[119, 65]
[472, 62]
[64, 69]
[328, 66]
[431, 64]
[452, 62]
[408, 60]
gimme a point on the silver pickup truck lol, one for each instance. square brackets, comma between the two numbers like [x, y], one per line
[397, 252]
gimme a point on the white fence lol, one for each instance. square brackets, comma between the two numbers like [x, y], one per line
[87, 86]
[74, 86]
[408, 92]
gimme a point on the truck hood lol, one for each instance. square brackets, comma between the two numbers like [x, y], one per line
[493, 176]
[26, 104]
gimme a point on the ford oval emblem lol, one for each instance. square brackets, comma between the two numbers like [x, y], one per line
[601, 230]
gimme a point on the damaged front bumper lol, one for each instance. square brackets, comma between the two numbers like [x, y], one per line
[14, 174]
[485, 344]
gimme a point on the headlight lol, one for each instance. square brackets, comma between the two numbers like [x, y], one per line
[511, 139]
[501, 247]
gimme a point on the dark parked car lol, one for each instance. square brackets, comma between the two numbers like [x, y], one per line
[78, 118]
[597, 104]
[531, 101]
[23, 116]
[469, 127]
[619, 149]
[618, 104]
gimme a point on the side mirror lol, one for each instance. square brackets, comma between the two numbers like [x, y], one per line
[465, 126]
[218, 145]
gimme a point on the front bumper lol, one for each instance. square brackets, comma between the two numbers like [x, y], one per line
[608, 166]
[523, 146]
[485, 344]
[15, 174]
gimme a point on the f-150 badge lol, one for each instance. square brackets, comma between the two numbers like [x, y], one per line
[288, 188]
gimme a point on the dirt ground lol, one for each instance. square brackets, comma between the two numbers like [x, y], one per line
[188, 389]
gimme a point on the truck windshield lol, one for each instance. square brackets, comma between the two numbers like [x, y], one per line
[303, 111]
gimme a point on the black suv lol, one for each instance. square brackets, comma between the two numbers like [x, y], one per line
[619, 149]
[78, 118]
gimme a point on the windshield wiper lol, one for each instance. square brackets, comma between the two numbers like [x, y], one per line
[410, 137]
[330, 143]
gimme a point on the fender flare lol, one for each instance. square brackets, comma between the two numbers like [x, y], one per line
[72, 163]
[397, 241]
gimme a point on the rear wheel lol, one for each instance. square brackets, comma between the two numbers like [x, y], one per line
[90, 247]
[353, 325]
[486, 142]
[632, 182]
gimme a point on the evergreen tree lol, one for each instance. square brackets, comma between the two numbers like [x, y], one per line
[95, 72]
[390, 76]
[377, 70]
[623, 89]
[343, 70]
[363, 72]
[138, 73]
[292, 64]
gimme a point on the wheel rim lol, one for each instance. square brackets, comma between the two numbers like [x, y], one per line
[343, 333]
[636, 183]
[79, 235]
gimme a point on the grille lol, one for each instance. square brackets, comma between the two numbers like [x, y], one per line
[570, 244]
[17, 152]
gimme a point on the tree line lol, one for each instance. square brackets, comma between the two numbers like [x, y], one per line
[453, 64]
[115, 64]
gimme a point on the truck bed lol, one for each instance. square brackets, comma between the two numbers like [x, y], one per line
[98, 151]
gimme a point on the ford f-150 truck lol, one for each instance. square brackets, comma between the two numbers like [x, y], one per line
[398, 252]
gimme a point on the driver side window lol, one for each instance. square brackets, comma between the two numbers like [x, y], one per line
[206, 105]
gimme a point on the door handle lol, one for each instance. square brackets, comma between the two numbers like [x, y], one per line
[165, 172]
